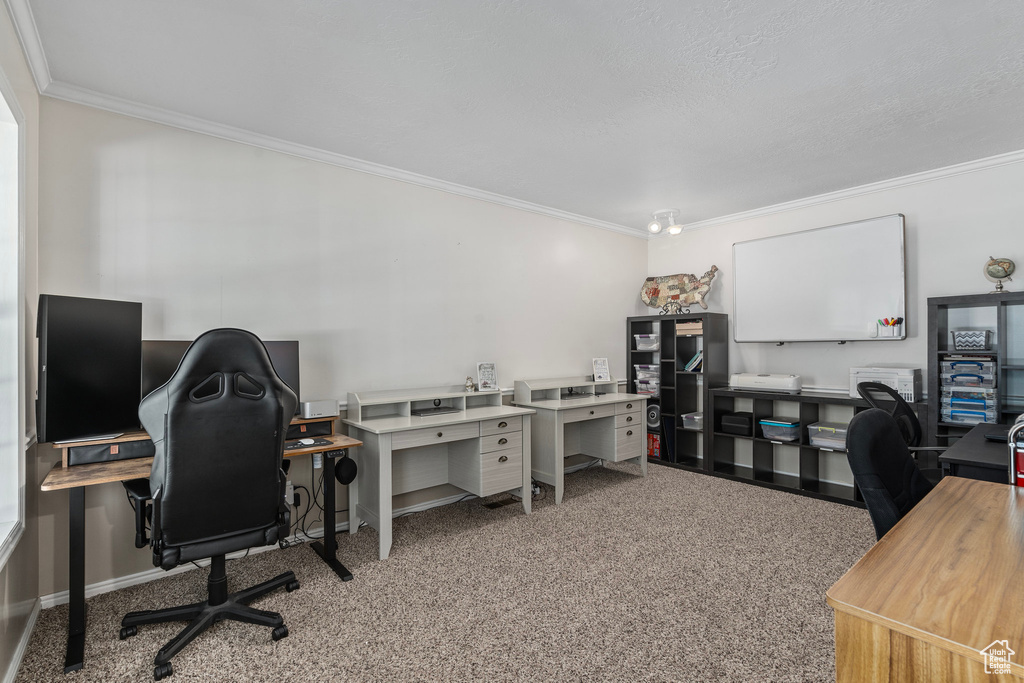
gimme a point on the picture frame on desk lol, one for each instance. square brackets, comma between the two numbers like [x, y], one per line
[601, 371]
[486, 376]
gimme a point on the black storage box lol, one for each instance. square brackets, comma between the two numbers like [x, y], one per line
[741, 424]
[106, 452]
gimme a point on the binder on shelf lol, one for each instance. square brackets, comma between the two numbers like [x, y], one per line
[695, 362]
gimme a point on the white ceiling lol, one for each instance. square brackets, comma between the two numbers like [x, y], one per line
[607, 109]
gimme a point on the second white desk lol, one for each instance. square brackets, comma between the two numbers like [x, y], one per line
[595, 420]
[482, 448]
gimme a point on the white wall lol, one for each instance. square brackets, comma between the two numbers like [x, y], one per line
[386, 285]
[953, 224]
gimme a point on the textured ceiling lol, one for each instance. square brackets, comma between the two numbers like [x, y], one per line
[608, 109]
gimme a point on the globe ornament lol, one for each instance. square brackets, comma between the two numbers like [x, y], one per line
[997, 270]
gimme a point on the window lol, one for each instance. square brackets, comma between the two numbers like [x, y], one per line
[12, 322]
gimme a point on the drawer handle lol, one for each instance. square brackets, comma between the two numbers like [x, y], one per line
[629, 433]
[502, 425]
[629, 405]
[629, 419]
[591, 412]
[503, 458]
[502, 441]
[440, 434]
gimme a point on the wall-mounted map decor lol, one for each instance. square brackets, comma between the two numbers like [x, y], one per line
[672, 293]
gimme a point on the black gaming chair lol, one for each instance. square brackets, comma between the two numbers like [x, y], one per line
[218, 427]
[882, 466]
[882, 396]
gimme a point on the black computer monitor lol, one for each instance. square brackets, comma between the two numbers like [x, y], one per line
[160, 359]
[90, 361]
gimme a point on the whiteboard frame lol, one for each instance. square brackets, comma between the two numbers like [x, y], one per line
[901, 306]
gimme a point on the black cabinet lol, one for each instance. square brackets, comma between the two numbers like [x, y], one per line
[679, 392]
[1002, 316]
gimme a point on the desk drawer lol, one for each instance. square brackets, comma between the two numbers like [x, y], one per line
[501, 471]
[629, 406]
[628, 419]
[628, 443]
[501, 425]
[588, 413]
[500, 442]
[430, 435]
[485, 474]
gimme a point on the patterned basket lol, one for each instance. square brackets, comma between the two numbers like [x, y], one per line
[970, 340]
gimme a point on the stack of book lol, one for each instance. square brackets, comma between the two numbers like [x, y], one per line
[690, 327]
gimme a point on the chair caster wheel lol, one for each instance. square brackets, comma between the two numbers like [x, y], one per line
[162, 671]
[291, 586]
[128, 632]
[280, 632]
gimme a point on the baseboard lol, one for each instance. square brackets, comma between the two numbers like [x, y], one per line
[19, 652]
[61, 598]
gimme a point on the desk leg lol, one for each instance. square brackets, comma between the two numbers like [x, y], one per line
[75, 657]
[559, 457]
[328, 549]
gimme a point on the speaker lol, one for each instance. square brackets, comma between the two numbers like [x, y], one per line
[653, 416]
[345, 470]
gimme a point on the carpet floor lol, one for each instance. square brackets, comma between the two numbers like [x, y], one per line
[673, 577]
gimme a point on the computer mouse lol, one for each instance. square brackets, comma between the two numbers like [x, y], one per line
[307, 442]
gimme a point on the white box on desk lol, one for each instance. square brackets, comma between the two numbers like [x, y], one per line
[906, 381]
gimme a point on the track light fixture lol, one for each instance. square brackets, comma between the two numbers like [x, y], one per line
[665, 218]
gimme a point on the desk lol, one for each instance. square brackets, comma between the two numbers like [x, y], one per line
[482, 447]
[941, 586]
[77, 477]
[975, 457]
[601, 423]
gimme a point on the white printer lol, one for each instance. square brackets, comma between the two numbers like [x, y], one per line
[789, 384]
[906, 381]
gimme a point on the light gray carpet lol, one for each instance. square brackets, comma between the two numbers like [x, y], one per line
[676, 577]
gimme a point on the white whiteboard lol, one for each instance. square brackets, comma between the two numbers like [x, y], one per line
[827, 284]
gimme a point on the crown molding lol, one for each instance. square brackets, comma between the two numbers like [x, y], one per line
[25, 27]
[861, 190]
[116, 105]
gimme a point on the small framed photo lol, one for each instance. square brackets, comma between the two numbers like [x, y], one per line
[601, 371]
[486, 376]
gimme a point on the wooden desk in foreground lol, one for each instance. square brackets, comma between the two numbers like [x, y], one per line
[941, 587]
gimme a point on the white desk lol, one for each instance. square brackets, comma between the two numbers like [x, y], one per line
[604, 424]
[483, 448]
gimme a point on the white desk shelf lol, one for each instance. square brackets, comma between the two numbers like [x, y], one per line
[592, 419]
[482, 447]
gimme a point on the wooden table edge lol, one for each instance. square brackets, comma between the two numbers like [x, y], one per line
[917, 634]
[60, 477]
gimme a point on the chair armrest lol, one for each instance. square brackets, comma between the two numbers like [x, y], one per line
[140, 495]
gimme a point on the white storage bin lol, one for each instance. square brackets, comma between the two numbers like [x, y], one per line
[648, 387]
[985, 368]
[647, 371]
[968, 379]
[828, 434]
[693, 420]
[647, 342]
[780, 429]
[968, 416]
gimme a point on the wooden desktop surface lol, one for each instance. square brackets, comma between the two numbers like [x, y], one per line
[944, 583]
[61, 477]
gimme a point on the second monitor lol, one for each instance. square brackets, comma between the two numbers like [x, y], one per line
[160, 359]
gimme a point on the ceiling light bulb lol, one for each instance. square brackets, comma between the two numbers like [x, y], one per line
[654, 226]
[675, 229]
